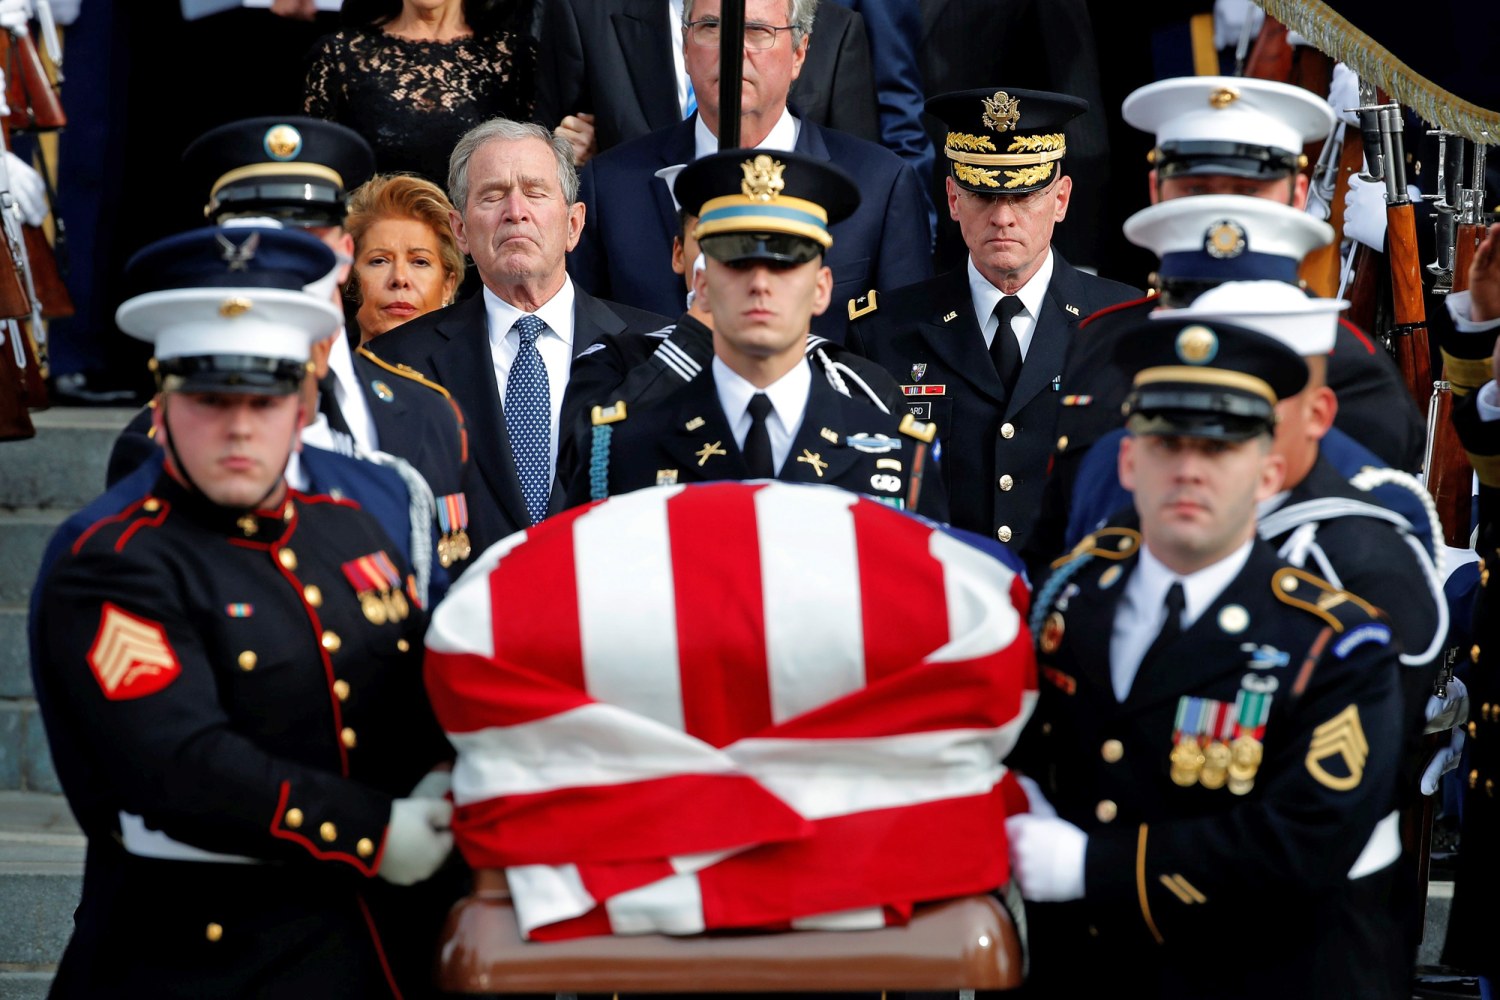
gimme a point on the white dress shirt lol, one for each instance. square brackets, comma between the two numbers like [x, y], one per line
[555, 346]
[1143, 609]
[351, 399]
[788, 396]
[1032, 295]
[783, 136]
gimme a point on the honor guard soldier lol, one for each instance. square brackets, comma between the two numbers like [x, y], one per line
[1216, 728]
[765, 407]
[980, 351]
[230, 675]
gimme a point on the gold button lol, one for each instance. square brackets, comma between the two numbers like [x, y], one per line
[1062, 443]
[1289, 583]
[1003, 533]
[293, 818]
[151, 506]
[214, 932]
[1046, 728]
[1489, 788]
[1007, 431]
[331, 641]
[286, 514]
[248, 660]
[1474, 653]
[1106, 811]
[341, 690]
[288, 559]
[328, 832]
[1112, 751]
[1473, 778]
[1006, 482]
[365, 847]
[312, 595]
[403, 646]
[1473, 729]
[346, 737]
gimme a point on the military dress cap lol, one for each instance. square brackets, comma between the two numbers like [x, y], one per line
[1005, 141]
[296, 169]
[1227, 237]
[1200, 379]
[1227, 125]
[226, 309]
[758, 205]
[1306, 324]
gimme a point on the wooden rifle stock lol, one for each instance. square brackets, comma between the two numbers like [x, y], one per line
[1271, 56]
[1409, 332]
[1320, 268]
[34, 104]
[46, 277]
[15, 421]
[1449, 476]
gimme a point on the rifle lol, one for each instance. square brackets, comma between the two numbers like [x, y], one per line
[31, 95]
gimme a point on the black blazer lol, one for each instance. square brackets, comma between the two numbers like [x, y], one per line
[926, 336]
[614, 58]
[415, 419]
[451, 346]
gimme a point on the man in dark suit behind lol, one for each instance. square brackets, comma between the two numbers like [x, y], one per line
[980, 350]
[626, 251]
[505, 353]
[615, 59]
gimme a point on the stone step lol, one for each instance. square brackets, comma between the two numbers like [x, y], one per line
[25, 759]
[23, 538]
[63, 466]
[41, 875]
[15, 662]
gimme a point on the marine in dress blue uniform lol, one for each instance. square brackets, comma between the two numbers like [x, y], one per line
[232, 691]
[1221, 763]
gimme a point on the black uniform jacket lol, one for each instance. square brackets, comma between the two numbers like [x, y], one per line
[843, 441]
[452, 348]
[644, 368]
[220, 677]
[415, 419]
[995, 450]
[1192, 889]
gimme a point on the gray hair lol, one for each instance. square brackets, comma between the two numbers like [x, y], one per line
[799, 14]
[509, 131]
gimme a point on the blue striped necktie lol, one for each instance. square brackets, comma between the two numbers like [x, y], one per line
[528, 418]
[691, 104]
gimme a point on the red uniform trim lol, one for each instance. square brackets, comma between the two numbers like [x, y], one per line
[1114, 309]
[123, 515]
[385, 966]
[281, 833]
[1359, 335]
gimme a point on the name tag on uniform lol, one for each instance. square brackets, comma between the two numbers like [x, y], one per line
[919, 407]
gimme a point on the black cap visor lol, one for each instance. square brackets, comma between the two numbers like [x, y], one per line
[1193, 411]
[235, 373]
[1226, 159]
[780, 248]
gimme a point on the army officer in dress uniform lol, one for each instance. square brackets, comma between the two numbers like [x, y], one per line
[1217, 733]
[765, 407]
[980, 351]
[230, 675]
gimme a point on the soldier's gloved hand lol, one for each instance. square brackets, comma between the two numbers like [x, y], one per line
[27, 188]
[1445, 713]
[1364, 212]
[1442, 762]
[14, 14]
[1229, 22]
[417, 840]
[1343, 94]
[1046, 857]
[435, 784]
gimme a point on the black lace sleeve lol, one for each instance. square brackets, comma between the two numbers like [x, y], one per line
[320, 96]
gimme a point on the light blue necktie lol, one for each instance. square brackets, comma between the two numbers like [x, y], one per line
[691, 104]
[528, 418]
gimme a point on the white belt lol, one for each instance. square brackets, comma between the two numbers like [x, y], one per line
[146, 843]
[1381, 850]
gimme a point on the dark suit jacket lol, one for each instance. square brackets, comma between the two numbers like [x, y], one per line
[415, 419]
[451, 346]
[657, 439]
[613, 58]
[927, 337]
[626, 249]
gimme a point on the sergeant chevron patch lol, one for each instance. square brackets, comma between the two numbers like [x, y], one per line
[131, 657]
[1340, 737]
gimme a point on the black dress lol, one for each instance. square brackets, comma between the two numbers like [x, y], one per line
[413, 100]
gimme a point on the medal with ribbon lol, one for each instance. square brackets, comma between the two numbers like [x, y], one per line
[453, 520]
[1200, 742]
[377, 583]
[1252, 709]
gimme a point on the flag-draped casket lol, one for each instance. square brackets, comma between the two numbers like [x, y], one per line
[732, 705]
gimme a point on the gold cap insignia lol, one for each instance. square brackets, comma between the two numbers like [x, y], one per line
[234, 306]
[1002, 112]
[1224, 240]
[283, 142]
[1197, 345]
[1223, 97]
[1341, 736]
[763, 181]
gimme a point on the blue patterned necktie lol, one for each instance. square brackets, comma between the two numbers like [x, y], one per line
[528, 418]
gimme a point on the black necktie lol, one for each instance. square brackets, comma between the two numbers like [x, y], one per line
[758, 442]
[1172, 627]
[328, 405]
[1005, 350]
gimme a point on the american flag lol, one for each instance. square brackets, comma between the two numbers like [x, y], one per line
[732, 705]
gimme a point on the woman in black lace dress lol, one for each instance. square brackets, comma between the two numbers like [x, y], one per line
[412, 76]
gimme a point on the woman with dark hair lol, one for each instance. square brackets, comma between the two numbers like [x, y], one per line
[411, 76]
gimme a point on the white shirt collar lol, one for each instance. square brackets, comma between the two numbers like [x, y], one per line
[783, 135]
[1033, 296]
[351, 398]
[788, 396]
[556, 312]
[1152, 580]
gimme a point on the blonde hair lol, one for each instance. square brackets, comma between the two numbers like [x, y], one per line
[402, 196]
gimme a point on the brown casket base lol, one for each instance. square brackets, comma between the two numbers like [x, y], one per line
[967, 943]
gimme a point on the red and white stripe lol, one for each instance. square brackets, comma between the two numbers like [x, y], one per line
[731, 705]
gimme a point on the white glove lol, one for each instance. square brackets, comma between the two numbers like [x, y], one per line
[27, 188]
[417, 840]
[1445, 713]
[1229, 22]
[435, 784]
[1046, 857]
[1442, 762]
[1343, 94]
[1364, 212]
[65, 12]
[14, 14]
